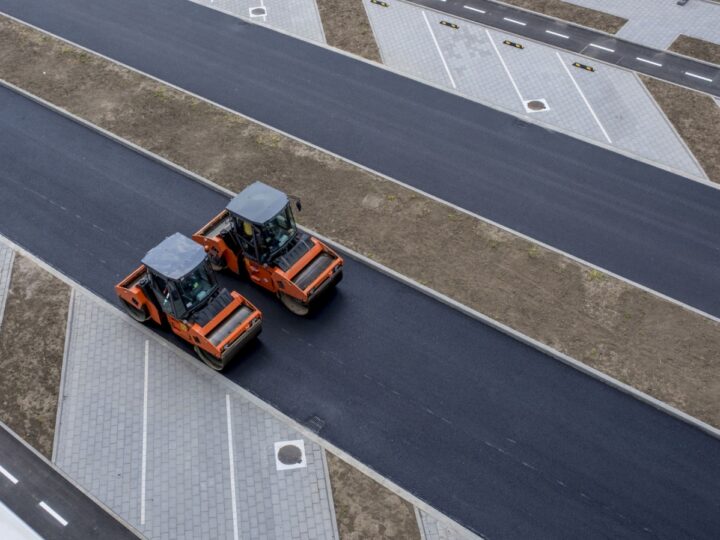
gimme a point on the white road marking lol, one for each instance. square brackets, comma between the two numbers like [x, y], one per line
[7, 475]
[698, 76]
[53, 513]
[601, 47]
[648, 61]
[514, 21]
[515, 86]
[474, 9]
[437, 46]
[144, 440]
[232, 469]
[557, 34]
[577, 86]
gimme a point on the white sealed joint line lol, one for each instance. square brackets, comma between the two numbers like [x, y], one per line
[582, 95]
[7, 475]
[476, 10]
[437, 46]
[557, 34]
[608, 49]
[231, 456]
[53, 513]
[689, 74]
[648, 61]
[514, 21]
[143, 472]
[504, 65]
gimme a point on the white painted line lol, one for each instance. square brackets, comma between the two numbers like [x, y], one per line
[232, 469]
[582, 95]
[557, 34]
[515, 86]
[7, 475]
[648, 61]
[601, 47]
[53, 513]
[144, 440]
[698, 76]
[437, 46]
[514, 21]
[474, 9]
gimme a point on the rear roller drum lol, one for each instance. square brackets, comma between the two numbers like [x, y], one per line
[295, 306]
[139, 314]
[209, 359]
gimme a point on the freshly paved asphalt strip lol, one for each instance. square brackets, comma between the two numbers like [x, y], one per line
[492, 432]
[660, 64]
[640, 222]
[46, 501]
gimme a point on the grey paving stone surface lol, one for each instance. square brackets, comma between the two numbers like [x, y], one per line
[298, 17]
[432, 529]
[6, 260]
[188, 488]
[656, 23]
[610, 105]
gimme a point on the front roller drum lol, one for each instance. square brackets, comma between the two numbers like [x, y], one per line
[295, 306]
[139, 314]
[211, 361]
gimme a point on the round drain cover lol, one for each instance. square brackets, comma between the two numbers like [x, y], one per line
[536, 105]
[290, 455]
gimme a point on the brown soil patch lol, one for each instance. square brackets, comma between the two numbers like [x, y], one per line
[645, 342]
[366, 509]
[591, 18]
[696, 117]
[696, 48]
[348, 28]
[32, 341]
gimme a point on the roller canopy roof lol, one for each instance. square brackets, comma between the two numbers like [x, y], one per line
[258, 203]
[174, 257]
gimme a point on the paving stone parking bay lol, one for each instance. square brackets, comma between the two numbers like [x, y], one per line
[188, 488]
[656, 23]
[298, 17]
[610, 105]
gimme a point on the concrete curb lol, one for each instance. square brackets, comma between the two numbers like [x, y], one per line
[2, 304]
[61, 393]
[715, 432]
[331, 497]
[65, 476]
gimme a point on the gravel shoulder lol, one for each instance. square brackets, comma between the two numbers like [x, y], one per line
[32, 341]
[566, 11]
[651, 344]
[696, 48]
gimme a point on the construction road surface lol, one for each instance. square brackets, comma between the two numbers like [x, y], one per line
[494, 433]
[643, 223]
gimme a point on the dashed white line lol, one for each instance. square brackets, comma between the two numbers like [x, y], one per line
[698, 76]
[504, 65]
[608, 49]
[144, 440]
[557, 34]
[508, 19]
[53, 513]
[7, 475]
[474, 9]
[232, 469]
[648, 61]
[582, 95]
[437, 46]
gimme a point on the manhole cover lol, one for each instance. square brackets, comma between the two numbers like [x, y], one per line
[290, 455]
[258, 12]
[536, 105]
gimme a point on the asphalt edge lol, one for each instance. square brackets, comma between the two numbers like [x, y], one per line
[61, 392]
[57, 469]
[549, 351]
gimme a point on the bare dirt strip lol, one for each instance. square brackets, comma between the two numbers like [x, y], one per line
[696, 48]
[347, 27]
[566, 11]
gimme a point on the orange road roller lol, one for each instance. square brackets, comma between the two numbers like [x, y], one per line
[256, 234]
[176, 287]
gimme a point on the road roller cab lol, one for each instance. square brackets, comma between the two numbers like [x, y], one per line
[257, 235]
[176, 287]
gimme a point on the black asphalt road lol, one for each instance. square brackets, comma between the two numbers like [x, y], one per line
[665, 65]
[641, 222]
[499, 436]
[39, 482]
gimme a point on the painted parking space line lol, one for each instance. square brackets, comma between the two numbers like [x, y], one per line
[53, 513]
[7, 475]
[231, 456]
[690, 74]
[582, 95]
[437, 46]
[557, 34]
[645, 60]
[504, 65]
[143, 472]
